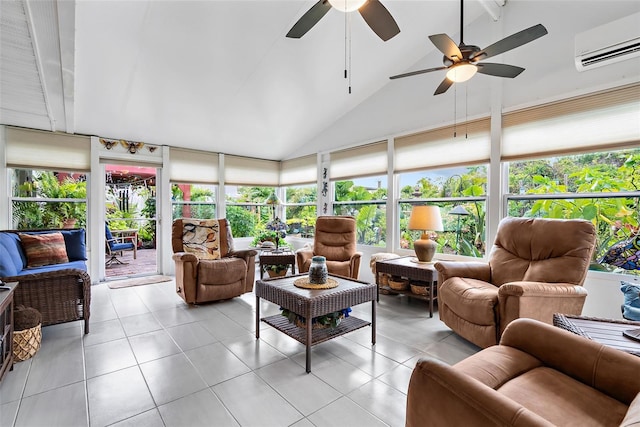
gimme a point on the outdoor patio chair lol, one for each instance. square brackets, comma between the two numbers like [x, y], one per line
[117, 245]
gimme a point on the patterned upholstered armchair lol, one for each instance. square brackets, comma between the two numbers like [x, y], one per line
[207, 266]
[335, 239]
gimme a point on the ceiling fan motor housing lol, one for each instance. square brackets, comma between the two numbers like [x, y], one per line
[467, 50]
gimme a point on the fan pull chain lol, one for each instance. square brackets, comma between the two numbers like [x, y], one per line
[346, 44]
[455, 102]
[466, 111]
[350, 67]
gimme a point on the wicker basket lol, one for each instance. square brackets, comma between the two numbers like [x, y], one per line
[398, 284]
[383, 278]
[419, 290]
[26, 343]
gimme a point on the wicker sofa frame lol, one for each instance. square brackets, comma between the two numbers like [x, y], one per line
[62, 295]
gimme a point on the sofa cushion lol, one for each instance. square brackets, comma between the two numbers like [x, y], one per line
[80, 265]
[74, 240]
[201, 237]
[222, 271]
[11, 261]
[631, 304]
[572, 403]
[44, 249]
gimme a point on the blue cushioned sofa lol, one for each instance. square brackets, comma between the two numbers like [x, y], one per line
[60, 292]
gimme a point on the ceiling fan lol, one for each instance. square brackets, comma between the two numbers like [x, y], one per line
[374, 13]
[463, 61]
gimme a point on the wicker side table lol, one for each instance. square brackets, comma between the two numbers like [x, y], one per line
[268, 258]
[424, 274]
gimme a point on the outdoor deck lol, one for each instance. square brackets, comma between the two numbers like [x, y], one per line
[145, 263]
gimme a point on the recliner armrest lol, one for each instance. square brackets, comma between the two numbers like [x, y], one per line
[185, 257]
[440, 395]
[540, 289]
[245, 253]
[302, 256]
[355, 265]
[611, 371]
[472, 270]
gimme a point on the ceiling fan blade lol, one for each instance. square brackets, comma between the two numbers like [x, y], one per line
[447, 46]
[446, 84]
[413, 73]
[499, 70]
[309, 19]
[511, 42]
[379, 19]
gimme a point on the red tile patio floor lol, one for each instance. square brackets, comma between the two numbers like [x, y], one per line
[145, 263]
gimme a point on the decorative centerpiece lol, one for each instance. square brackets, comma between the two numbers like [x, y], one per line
[318, 270]
[326, 321]
[318, 277]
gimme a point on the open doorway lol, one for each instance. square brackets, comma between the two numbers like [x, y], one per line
[131, 221]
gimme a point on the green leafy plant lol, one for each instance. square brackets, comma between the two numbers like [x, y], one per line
[278, 268]
[331, 320]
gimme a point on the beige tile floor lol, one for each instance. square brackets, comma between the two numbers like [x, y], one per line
[151, 360]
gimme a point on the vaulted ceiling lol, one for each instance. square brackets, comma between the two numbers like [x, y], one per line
[221, 75]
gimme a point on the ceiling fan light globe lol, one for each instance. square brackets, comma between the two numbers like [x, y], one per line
[462, 72]
[347, 5]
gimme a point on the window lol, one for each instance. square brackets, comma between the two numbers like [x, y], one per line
[300, 210]
[365, 200]
[247, 210]
[193, 201]
[48, 199]
[602, 187]
[460, 192]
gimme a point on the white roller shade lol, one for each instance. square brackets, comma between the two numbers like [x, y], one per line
[303, 170]
[366, 160]
[250, 171]
[34, 149]
[604, 120]
[439, 148]
[193, 167]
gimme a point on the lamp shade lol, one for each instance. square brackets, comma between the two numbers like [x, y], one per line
[461, 72]
[425, 218]
[347, 5]
[272, 199]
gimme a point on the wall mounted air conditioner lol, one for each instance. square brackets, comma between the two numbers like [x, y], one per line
[608, 43]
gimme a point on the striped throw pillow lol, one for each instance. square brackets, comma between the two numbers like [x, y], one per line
[44, 249]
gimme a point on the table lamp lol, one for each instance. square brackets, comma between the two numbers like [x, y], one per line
[425, 218]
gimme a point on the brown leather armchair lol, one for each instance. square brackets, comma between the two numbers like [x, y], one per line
[335, 239]
[539, 375]
[536, 268]
[201, 280]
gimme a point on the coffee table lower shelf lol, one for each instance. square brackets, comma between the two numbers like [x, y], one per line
[282, 324]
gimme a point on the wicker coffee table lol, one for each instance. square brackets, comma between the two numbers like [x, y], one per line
[603, 331]
[313, 303]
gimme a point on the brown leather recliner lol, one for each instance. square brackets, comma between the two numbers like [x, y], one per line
[536, 268]
[335, 239]
[539, 375]
[212, 279]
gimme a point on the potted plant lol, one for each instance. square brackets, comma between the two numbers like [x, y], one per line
[64, 214]
[277, 270]
[269, 236]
